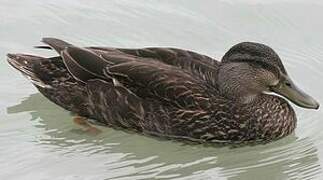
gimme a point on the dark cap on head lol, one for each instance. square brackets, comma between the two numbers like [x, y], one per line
[251, 51]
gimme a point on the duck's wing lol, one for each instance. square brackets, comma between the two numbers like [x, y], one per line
[164, 82]
[199, 65]
[152, 78]
[53, 43]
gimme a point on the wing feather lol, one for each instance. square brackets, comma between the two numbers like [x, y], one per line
[197, 64]
[165, 82]
[184, 78]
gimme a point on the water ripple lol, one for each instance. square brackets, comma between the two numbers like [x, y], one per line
[39, 140]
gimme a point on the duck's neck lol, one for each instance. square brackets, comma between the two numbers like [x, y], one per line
[273, 116]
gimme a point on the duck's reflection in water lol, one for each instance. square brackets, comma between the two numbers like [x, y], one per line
[140, 157]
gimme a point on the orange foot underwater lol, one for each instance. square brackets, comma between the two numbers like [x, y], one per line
[82, 121]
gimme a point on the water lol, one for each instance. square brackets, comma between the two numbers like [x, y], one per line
[39, 141]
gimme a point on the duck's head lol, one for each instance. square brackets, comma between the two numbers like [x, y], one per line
[250, 69]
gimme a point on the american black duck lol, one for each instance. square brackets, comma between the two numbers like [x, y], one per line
[171, 92]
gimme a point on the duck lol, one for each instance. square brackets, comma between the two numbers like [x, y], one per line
[170, 92]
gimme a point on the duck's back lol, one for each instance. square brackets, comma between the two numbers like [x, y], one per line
[168, 81]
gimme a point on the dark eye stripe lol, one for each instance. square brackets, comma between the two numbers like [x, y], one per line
[259, 63]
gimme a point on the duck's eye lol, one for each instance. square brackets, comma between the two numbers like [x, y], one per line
[288, 84]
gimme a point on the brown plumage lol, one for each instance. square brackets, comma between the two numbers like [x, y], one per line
[171, 92]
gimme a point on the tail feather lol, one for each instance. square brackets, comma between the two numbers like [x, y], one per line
[53, 80]
[43, 47]
[39, 70]
[26, 65]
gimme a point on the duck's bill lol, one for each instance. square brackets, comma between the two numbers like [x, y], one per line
[288, 89]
